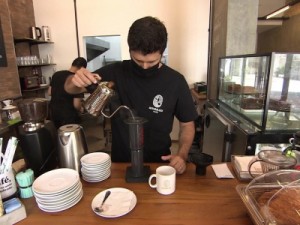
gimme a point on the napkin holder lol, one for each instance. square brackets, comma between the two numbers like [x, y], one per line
[14, 216]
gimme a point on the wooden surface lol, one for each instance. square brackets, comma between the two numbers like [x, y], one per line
[201, 200]
[197, 95]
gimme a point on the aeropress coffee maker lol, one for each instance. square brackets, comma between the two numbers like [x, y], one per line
[95, 104]
[137, 172]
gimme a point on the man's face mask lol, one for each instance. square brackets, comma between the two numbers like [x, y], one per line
[139, 71]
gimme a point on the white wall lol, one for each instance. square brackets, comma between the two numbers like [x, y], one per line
[187, 22]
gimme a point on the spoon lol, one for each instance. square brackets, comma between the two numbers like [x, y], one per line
[100, 209]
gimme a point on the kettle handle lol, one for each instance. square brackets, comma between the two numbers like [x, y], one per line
[64, 138]
[38, 32]
[254, 160]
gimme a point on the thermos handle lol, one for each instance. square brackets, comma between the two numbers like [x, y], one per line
[38, 32]
[64, 138]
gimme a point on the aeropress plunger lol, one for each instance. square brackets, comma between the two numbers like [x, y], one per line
[137, 172]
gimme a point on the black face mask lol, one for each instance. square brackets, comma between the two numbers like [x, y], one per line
[139, 71]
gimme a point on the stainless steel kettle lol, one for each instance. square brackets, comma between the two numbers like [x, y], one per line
[71, 146]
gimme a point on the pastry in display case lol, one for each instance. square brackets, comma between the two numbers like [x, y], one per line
[263, 88]
[258, 103]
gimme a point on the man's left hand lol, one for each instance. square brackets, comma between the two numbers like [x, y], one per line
[177, 162]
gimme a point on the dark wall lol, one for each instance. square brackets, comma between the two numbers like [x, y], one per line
[9, 78]
[16, 17]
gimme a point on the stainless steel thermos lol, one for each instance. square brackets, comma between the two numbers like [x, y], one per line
[71, 146]
[42, 33]
[36, 33]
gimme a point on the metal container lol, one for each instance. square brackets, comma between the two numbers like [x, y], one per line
[33, 110]
[71, 146]
[46, 33]
[96, 102]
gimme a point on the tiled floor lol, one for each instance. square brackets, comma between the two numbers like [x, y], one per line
[94, 134]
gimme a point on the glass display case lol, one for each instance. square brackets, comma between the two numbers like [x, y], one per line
[257, 105]
[263, 89]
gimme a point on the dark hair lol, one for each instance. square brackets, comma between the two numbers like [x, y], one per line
[147, 35]
[79, 62]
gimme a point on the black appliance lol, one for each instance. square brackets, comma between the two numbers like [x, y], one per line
[39, 148]
[38, 137]
[29, 82]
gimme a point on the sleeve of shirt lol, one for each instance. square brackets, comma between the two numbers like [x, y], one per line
[185, 109]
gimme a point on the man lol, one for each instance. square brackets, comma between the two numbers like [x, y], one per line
[152, 90]
[65, 107]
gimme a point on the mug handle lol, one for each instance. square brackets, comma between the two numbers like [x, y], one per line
[254, 160]
[150, 181]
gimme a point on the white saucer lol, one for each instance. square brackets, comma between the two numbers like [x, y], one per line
[68, 205]
[55, 181]
[43, 85]
[95, 158]
[9, 107]
[120, 202]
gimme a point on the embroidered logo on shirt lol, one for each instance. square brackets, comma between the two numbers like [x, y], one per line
[157, 103]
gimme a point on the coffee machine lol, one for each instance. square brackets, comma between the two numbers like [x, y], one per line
[38, 136]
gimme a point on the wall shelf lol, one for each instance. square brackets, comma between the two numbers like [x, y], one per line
[31, 41]
[37, 65]
[36, 89]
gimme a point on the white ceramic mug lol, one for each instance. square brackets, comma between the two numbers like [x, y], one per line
[165, 180]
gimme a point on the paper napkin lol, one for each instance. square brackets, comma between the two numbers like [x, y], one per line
[118, 203]
[222, 170]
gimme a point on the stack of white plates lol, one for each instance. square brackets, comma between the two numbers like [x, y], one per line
[57, 190]
[95, 167]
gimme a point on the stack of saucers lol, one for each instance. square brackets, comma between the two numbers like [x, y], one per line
[57, 190]
[95, 167]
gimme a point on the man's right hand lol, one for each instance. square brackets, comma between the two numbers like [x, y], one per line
[80, 80]
[84, 78]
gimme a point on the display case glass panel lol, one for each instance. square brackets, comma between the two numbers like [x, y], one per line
[263, 89]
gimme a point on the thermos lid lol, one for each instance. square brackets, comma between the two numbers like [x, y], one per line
[69, 128]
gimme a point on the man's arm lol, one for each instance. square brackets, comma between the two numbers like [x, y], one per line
[80, 80]
[77, 103]
[71, 88]
[186, 137]
[49, 90]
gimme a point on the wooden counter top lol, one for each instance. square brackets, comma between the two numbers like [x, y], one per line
[199, 200]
